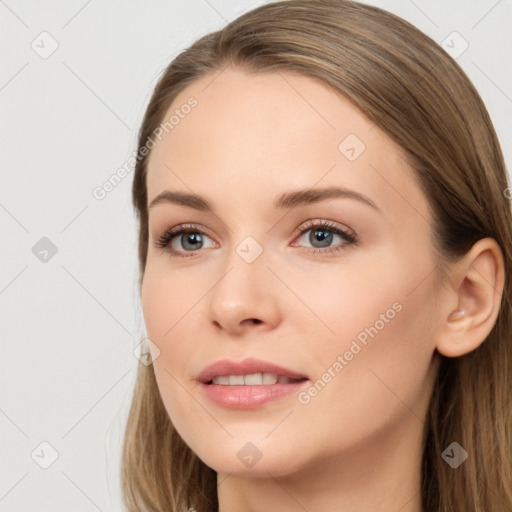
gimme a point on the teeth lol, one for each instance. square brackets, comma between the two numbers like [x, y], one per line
[269, 378]
[236, 380]
[223, 381]
[252, 379]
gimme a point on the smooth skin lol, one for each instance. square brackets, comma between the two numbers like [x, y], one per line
[357, 445]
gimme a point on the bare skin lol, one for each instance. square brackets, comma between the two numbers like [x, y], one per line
[356, 444]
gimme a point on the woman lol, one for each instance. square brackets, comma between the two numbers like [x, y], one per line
[324, 245]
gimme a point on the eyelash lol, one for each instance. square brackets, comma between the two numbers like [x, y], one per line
[350, 237]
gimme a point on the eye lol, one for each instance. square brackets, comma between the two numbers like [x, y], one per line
[191, 238]
[322, 234]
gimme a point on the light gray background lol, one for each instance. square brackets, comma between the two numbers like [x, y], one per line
[69, 325]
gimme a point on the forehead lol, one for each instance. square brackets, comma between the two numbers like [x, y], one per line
[250, 133]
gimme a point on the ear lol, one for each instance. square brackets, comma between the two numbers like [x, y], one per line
[476, 288]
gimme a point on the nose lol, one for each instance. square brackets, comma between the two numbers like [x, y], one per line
[245, 298]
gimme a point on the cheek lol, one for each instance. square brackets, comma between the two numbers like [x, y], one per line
[167, 308]
[165, 311]
[381, 356]
[154, 305]
[165, 300]
[380, 307]
[172, 300]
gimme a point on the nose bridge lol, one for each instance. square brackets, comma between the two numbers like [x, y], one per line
[244, 271]
[249, 241]
[245, 290]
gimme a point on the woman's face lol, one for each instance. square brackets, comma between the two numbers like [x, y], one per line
[355, 313]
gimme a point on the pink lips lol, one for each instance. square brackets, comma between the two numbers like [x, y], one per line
[247, 396]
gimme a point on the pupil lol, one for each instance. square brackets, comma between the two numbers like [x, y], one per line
[193, 238]
[325, 237]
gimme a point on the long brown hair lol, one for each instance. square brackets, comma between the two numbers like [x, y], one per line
[411, 89]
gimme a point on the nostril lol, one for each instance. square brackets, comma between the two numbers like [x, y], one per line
[254, 321]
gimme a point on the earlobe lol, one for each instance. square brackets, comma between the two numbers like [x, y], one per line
[478, 281]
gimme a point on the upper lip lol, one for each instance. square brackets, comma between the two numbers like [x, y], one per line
[245, 367]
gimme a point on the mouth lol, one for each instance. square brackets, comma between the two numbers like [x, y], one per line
[248, 384]
[249, 372]
[253, 379]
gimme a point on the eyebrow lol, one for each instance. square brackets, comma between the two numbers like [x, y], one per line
[286, 200]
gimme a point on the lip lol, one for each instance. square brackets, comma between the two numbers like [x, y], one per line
[249, 365]
[247, 396]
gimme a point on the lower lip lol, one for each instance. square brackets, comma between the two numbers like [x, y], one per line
[249, 397]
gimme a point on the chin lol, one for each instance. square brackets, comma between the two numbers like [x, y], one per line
[246, 458]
